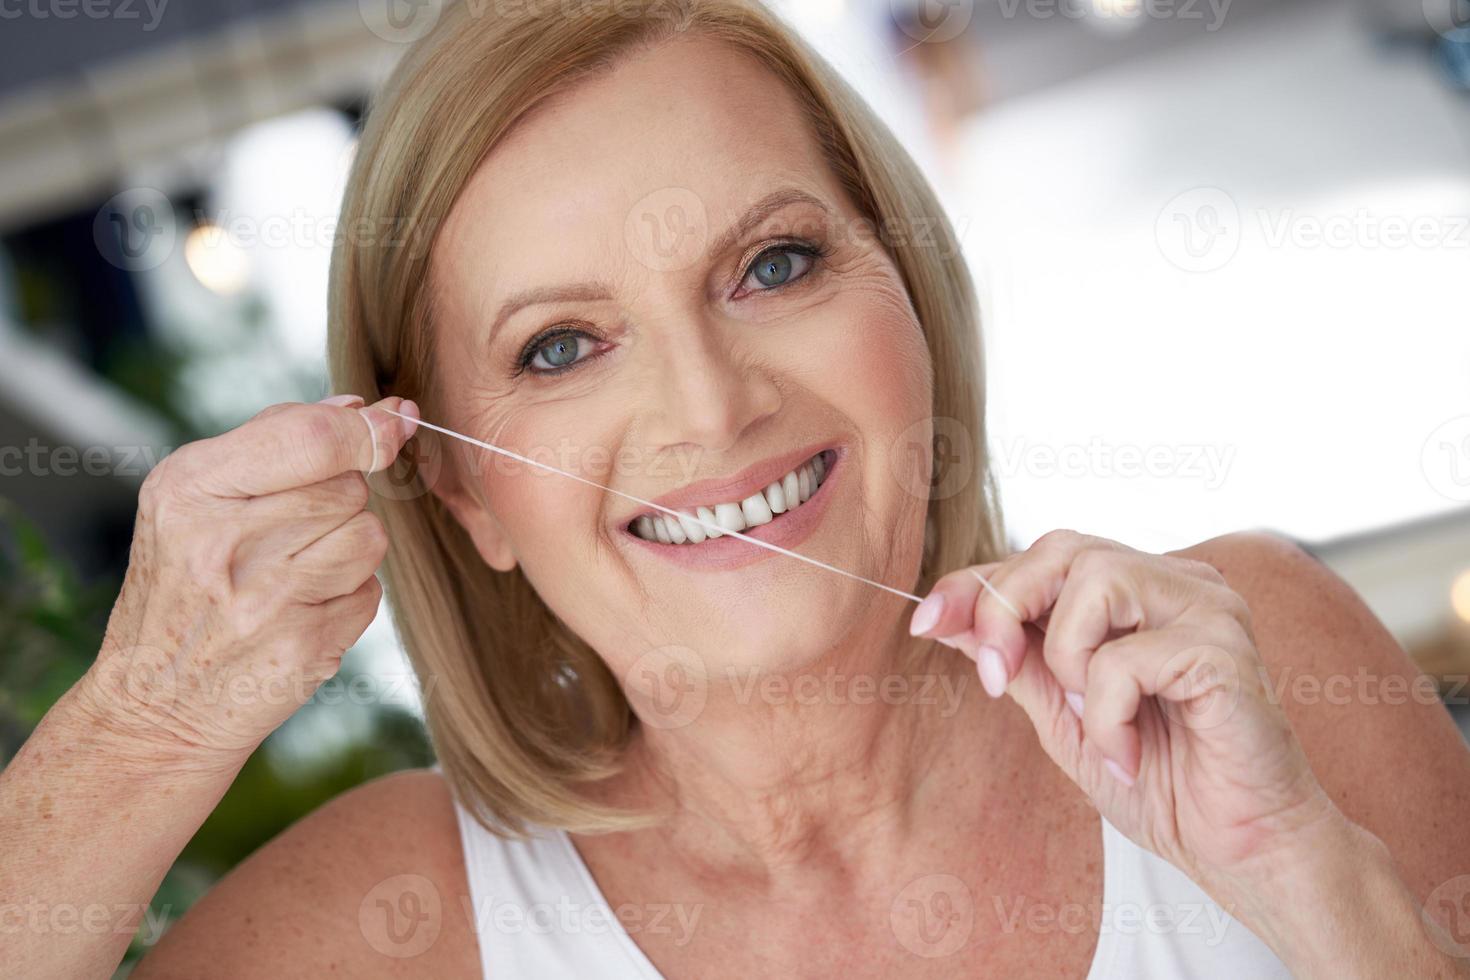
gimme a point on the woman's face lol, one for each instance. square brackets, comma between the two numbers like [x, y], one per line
[655, 283]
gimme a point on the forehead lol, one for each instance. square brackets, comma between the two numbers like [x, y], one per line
[693, 124]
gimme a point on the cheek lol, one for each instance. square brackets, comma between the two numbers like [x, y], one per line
[885, 385]
[552, 522]
[894, 375]
[882, 377]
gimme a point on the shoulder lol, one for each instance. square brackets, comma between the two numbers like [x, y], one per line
[1372, 725]
[370, 884]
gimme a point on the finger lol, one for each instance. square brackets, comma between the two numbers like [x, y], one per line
[1097, 600]
[1058, 726]
[345, 401]
[948, 610]
[285, 523]
[1109, 592]
[301, 445]
[348, 617]
[1030, 584]
[1185, 668]
[341, 561]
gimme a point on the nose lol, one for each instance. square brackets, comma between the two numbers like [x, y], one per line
[705, 393]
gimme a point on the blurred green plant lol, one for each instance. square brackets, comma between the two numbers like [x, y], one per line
[50, 623]
[52, 626]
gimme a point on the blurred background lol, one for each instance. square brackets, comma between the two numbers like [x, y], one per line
[1223, 248]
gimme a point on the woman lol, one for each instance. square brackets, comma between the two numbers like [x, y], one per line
[659, 246]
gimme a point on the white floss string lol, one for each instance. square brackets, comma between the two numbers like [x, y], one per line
[672, 513]
[998, 597]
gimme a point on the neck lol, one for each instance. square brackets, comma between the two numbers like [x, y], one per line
[838, 760]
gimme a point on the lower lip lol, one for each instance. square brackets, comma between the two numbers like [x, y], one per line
[786, 531]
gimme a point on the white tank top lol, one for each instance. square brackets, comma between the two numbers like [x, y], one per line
[539, 915]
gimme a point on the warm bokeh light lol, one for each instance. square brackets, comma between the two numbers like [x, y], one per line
[216, 261]
[1460, 596]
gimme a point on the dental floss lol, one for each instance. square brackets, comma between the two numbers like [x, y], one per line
[998, 597]
[372, 438]
[648, 503]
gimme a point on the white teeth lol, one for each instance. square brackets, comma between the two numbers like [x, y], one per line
[693, 531]
[790, 487]
[776, 498]
[730, 517]
[756, 510]
[786, 494]
[708, 516]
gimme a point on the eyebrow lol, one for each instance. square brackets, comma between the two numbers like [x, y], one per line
[592, 291]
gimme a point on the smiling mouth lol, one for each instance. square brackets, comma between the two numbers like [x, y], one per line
[766, 506]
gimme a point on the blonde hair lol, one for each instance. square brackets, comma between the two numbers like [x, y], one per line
[522, 713]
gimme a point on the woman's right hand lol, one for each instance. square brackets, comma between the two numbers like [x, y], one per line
[252, 571]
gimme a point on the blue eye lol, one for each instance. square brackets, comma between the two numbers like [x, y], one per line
[556, 351]
[781, 266]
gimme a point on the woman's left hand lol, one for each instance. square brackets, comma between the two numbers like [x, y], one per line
[1141, 677]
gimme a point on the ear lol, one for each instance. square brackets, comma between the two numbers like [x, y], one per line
[470, 510]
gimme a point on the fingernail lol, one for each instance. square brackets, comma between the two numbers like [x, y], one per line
[342, 400]
[926, 617]
[411, 409]
[992, 671]
[1074, 701]
[1119, 773]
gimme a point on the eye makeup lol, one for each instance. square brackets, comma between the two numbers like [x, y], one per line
[567, 340]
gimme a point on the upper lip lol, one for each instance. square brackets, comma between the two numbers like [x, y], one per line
[732, 489]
